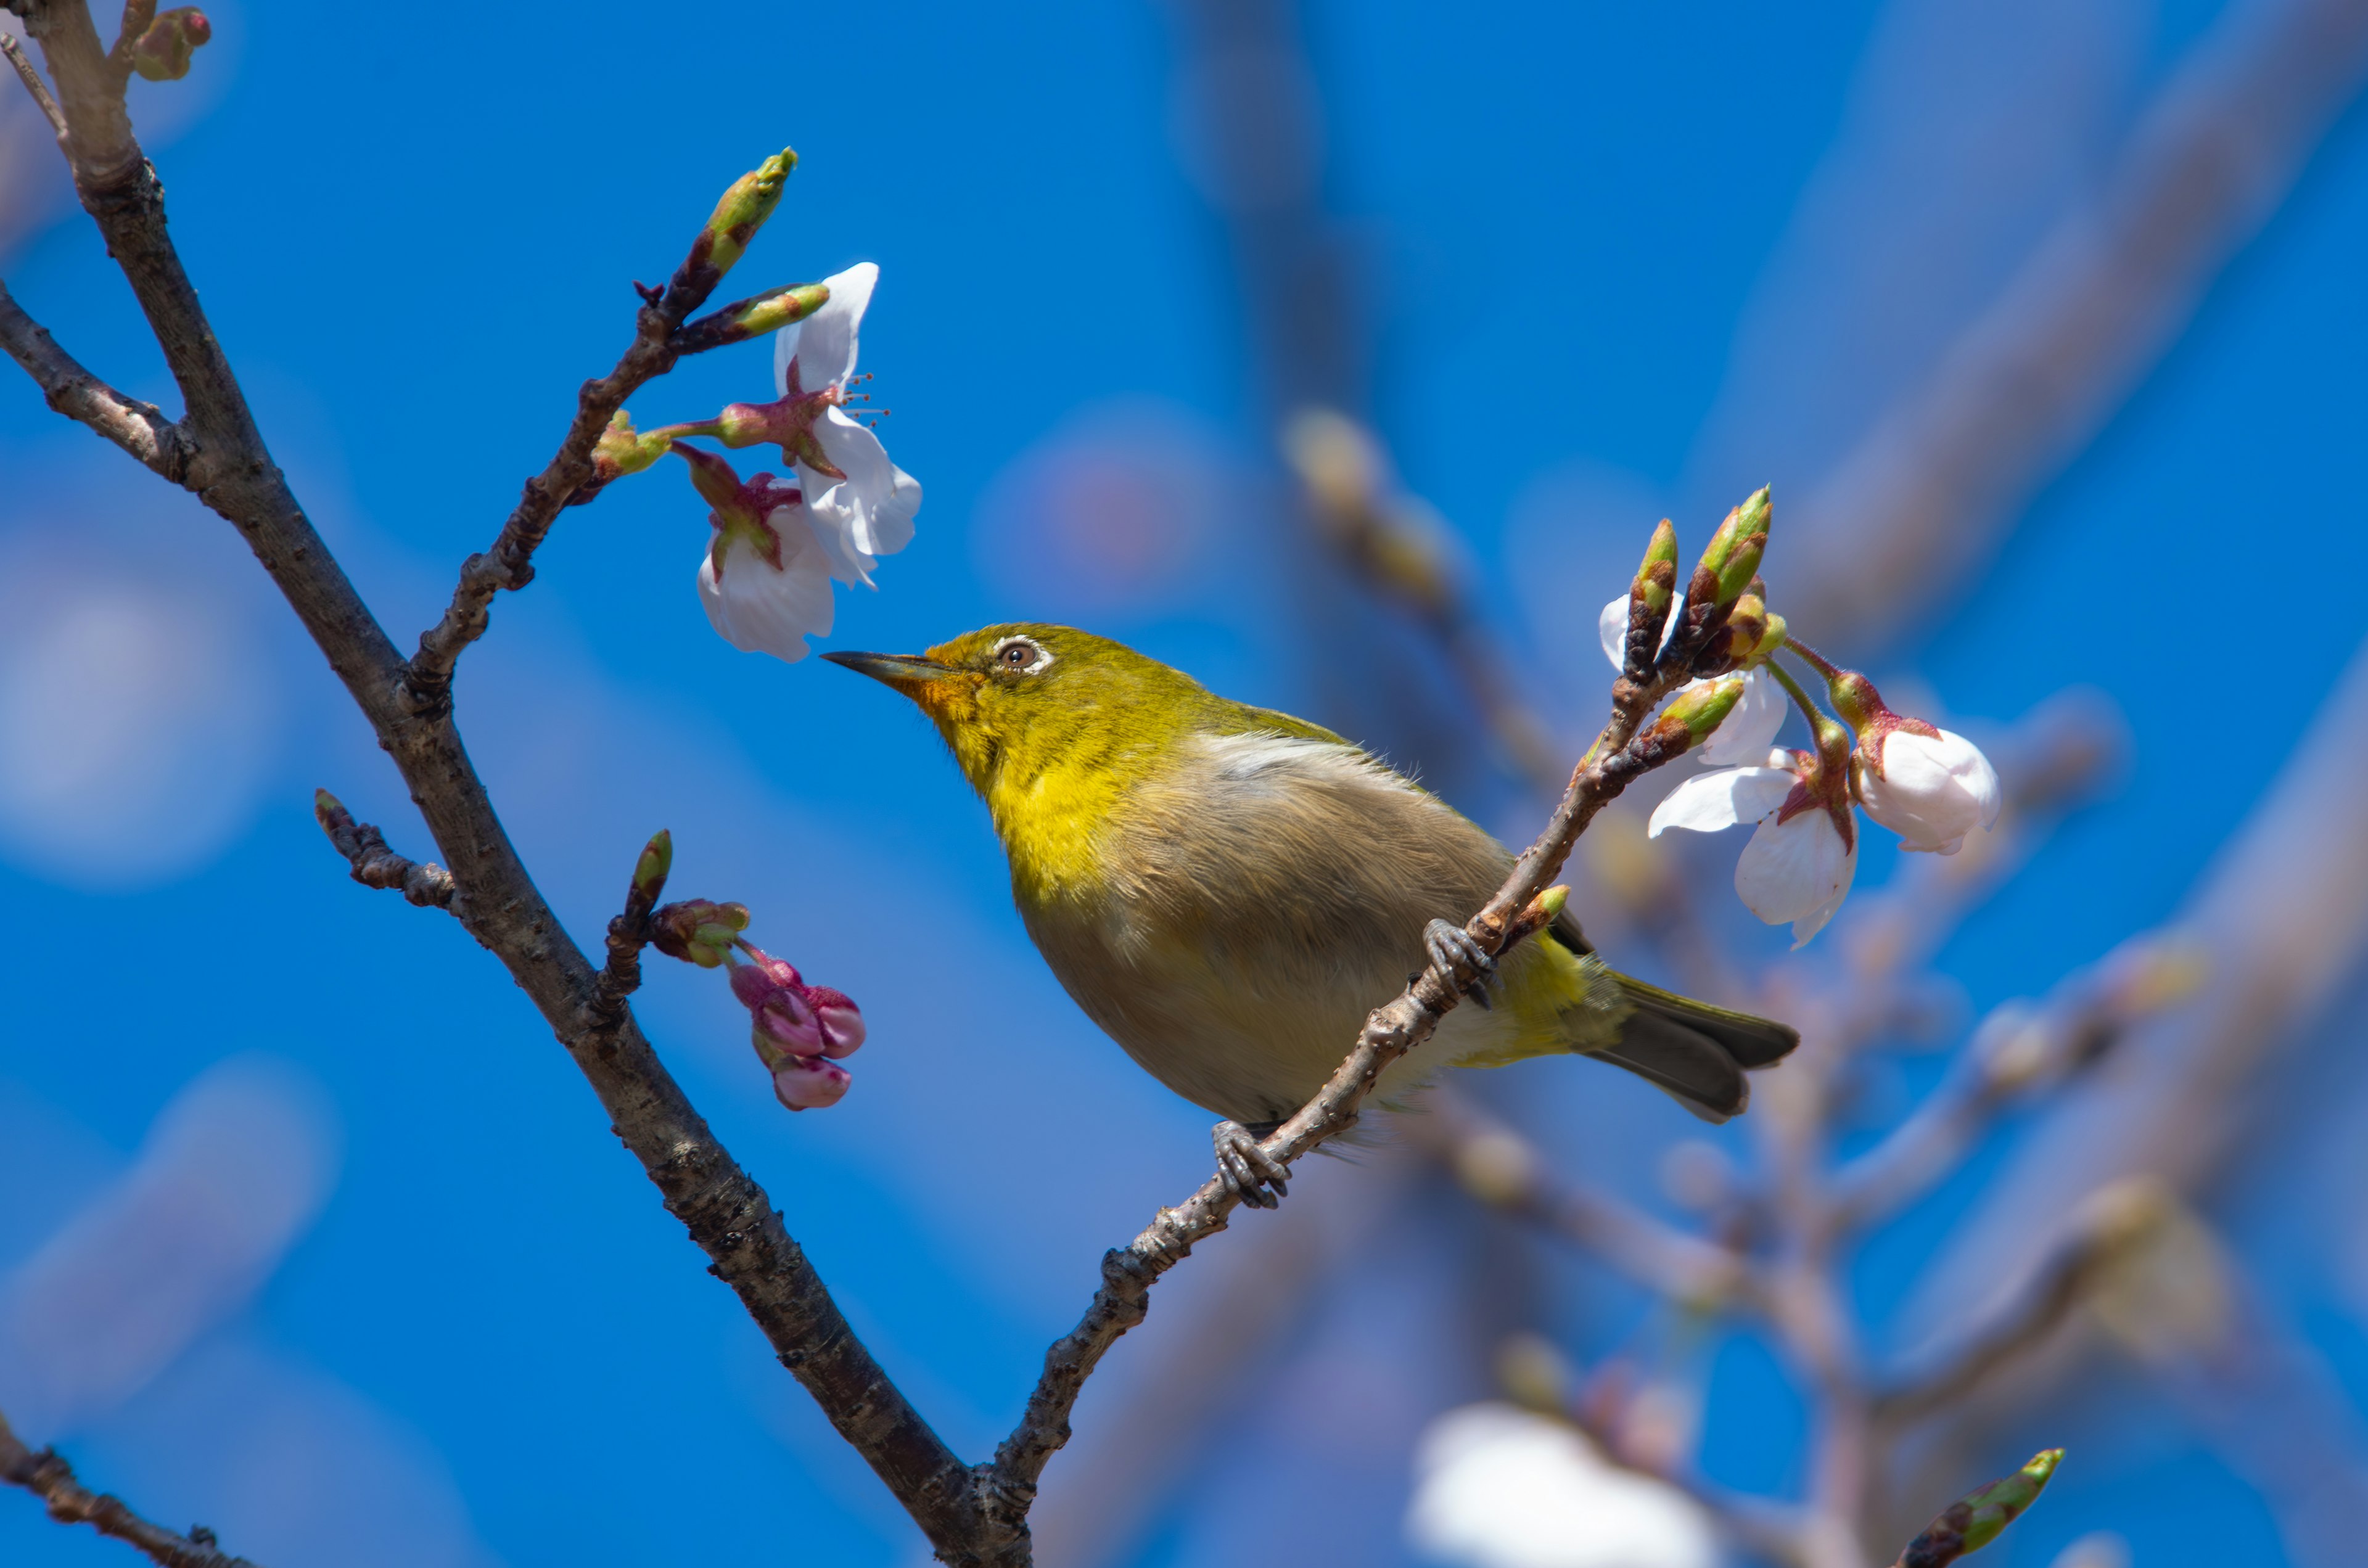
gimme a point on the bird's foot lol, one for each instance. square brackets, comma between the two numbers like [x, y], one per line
[1454, 952]
[1247, 1170]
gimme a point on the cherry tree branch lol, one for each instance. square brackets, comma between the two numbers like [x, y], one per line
[724, 1210]
[47, 1475]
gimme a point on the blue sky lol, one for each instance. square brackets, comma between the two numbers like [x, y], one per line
[1590, 263]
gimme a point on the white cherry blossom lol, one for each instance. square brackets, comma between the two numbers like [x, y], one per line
[1802, 856]
[764, 579]
[860, 505]
[1748, 729]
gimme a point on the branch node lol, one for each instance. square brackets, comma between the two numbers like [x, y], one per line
[374, 864]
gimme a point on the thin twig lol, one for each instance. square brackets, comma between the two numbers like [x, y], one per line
[628, 933]
[375, 864]
[139, 428]
[138, 15]
[46, 1474]
[33, 82]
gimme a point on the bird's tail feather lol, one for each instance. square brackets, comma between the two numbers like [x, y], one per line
[1693, 1051]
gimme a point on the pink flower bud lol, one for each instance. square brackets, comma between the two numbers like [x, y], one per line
[785, 1026]
[841, 1021]
[795, 1026]
[755, 982]
[808, 1083]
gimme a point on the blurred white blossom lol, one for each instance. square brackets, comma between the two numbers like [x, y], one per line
[1497, 1486]
[136, 719]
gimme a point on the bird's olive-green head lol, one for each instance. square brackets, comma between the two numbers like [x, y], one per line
[1022, 703]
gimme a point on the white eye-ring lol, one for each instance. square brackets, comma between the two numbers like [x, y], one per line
[1021, 656]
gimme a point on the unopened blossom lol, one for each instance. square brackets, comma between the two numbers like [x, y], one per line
[1802, 856]
[1746, 731]
[765, 580]
[797, 1030]
[1928, 785]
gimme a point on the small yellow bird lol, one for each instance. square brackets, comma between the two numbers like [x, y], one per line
[1228, 890]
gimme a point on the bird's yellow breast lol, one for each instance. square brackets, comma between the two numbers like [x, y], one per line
[1231, 915]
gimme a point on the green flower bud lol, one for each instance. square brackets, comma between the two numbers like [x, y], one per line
[770, 313]
[1974, 1520]
[657, 860]
[1650, 596]
[621, 449]
[1657, 578]
[1701, 708]
[1732, 557]
[162, 52]
[743, 212]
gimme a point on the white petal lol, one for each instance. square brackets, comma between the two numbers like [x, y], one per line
[1613, 627]
[1710, 801]
[879, 498]
[1797, 871]
[1931, 791]
[823, 344]
[834, 530]
[1744, 735]
[759, 609]
[785, 349]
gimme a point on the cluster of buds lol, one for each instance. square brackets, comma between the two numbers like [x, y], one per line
[1928, 785]
[800, 1031]
[776, 546]
[699, 930]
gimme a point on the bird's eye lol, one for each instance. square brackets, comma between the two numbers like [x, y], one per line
[1018, 655]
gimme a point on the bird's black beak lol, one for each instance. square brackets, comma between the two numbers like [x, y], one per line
[908, 673]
